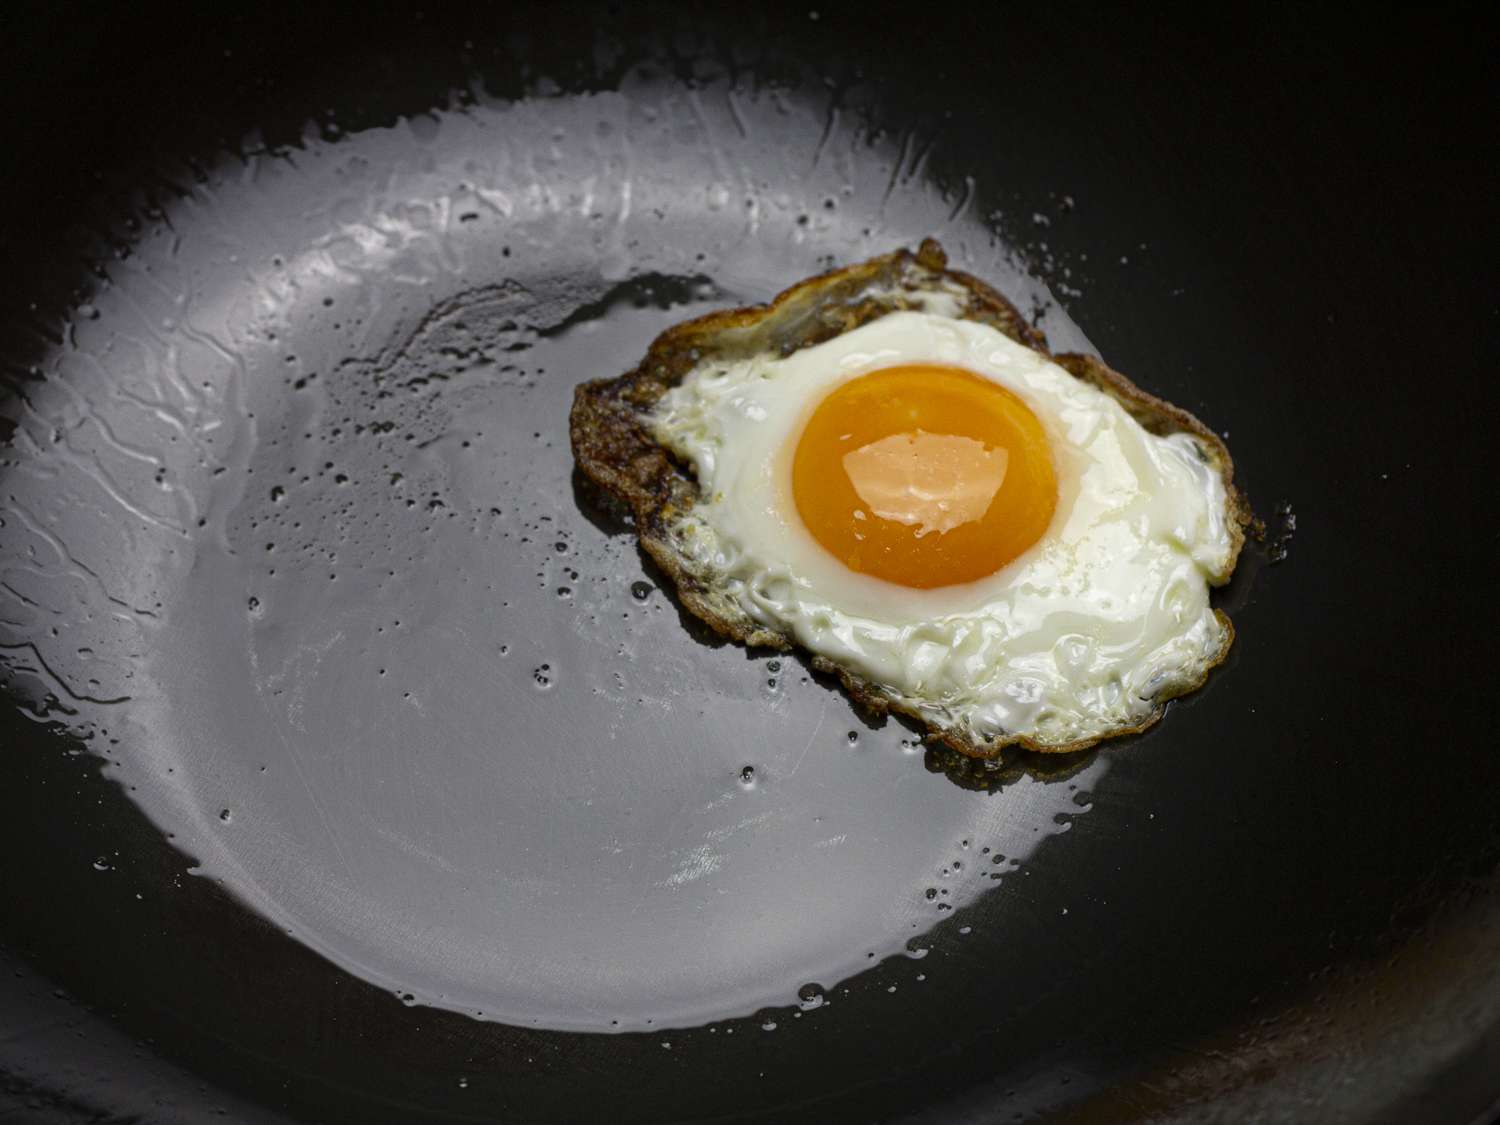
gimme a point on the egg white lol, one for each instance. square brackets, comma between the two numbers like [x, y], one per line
[1080, 636]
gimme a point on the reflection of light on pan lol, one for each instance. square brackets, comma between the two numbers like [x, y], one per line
[311, 439]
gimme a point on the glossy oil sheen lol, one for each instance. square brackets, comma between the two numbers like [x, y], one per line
[378, 668]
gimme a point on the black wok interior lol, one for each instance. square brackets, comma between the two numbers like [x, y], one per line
[1281, 904]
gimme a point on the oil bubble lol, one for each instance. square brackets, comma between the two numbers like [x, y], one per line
[811, 997]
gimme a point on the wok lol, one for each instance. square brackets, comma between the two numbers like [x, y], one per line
[356, 765]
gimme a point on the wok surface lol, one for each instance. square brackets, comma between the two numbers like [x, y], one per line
[1282, 901]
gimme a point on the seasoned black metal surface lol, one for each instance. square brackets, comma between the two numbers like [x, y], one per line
[354, 766]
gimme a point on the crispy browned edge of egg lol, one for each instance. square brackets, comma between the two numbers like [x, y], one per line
[617, 454]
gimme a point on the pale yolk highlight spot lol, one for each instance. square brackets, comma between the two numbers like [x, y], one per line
[924, 476]
[930, 482]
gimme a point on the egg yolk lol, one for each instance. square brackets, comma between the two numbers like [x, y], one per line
[924, 476]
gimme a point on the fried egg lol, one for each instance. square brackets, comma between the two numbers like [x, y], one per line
[988, 542]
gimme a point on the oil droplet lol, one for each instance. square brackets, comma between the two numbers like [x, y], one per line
[102, 864]
[854, 738]
[640, 591]
[1280, 539]
[225, 815]
[747, 776]
[810, 997]
[542, 677]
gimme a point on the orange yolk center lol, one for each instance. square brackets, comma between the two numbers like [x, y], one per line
[924, 476]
